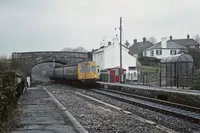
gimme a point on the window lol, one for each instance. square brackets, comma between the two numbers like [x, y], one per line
[82, 70]
[172, 52]
[145, 53]
[158, 52]
[132, 68]
[135, 74]
[93, 68]
[152, 53]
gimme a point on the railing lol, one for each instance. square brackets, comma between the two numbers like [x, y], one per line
[148, 79]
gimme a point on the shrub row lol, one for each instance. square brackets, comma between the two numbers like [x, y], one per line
[196, 82]
[9, 95]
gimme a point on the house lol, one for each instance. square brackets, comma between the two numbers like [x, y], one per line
[171, 47]
[188, 43]
[139, 47]
[163, 49]
[109, 57]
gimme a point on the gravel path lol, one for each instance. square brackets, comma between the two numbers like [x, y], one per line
[98, 118]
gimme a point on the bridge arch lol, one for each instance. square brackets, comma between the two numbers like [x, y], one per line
[39, 71]
[49, 61]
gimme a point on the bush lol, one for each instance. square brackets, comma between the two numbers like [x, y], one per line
[195, 53]
[149, 61]
[8, 97]
[196, 82]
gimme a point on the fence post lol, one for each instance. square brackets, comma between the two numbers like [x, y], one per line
[131, 77]
[146, 79]
[160, 79]
[143, 79]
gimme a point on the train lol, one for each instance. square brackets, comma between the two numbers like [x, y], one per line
[84, 72]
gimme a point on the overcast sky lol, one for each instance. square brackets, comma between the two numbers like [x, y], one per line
[40, 25]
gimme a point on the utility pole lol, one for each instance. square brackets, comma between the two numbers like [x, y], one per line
[120, 72]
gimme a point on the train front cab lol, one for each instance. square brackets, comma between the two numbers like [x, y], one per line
[87, 72]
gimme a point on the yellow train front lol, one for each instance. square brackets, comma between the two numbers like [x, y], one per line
[87, 72]
[84, 72]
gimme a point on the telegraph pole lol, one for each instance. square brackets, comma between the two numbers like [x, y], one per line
[120, 72]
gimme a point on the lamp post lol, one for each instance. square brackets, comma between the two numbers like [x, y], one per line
[120, 72]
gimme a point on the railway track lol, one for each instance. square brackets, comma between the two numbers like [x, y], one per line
[99, 116]
[178, 110]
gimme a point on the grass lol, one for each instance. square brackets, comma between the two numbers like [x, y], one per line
[149, 69]
[12, 122]
[198, 70]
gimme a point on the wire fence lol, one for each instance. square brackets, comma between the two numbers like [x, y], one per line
[155, 79]
[147, 79]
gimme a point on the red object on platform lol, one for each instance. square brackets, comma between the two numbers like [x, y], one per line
[117, 78]
[113, 74]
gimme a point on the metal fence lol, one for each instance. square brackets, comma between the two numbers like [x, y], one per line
[147, 79]
[175, 71]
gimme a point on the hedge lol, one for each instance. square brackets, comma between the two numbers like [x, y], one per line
[149, 61]
[196, 82]
[9, 95]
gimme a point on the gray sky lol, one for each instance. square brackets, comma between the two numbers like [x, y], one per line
[40, 25]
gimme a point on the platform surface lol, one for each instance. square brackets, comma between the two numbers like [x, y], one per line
[41, 115]
[173, 90]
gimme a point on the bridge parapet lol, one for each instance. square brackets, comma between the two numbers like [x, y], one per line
[27, 60]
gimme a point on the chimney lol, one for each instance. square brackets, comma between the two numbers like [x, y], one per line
[170, 38]
[188, 36]
[116, 40]
[163, 43]
[144, 39]
[135, 41]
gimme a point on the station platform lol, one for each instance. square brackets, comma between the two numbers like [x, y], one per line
[175, 90]
[183, 96]
[40, 114]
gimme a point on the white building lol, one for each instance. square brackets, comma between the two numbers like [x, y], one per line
[109, 57]
[163, 49]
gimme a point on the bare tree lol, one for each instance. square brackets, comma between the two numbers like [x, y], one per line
[78, 49]
[4, 63]
[197, 38]
[127, 44]
[152, 40]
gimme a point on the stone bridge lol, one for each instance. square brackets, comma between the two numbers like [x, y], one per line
[36, 64]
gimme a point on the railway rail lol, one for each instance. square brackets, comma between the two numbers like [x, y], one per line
[178, 110]
[168, 130]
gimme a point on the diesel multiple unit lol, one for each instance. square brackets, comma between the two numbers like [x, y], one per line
[85, 72]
